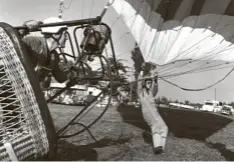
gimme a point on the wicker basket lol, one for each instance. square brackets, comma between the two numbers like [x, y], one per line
[26, 127]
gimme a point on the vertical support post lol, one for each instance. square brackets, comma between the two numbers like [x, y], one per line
[113, 52]
[215, 94]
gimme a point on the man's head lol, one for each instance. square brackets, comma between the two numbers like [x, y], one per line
[148, 83]
[55, 34]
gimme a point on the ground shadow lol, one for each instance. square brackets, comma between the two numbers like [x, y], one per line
[132, 115]
[229, 155]
[182, 123]
[70, 152]
[192, 124]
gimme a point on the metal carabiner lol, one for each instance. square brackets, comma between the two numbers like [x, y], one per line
[110, 2]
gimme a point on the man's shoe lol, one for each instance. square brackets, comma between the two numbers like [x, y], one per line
[158, 150]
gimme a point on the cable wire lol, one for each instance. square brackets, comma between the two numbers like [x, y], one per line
[199, 89]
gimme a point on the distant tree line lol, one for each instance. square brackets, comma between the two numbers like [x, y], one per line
[165, 100]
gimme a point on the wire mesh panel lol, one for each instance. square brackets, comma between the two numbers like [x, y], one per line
[26, 128]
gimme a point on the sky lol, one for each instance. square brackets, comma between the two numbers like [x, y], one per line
[16, 12]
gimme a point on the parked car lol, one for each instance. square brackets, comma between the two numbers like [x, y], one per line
[134, 103]
[227, 110]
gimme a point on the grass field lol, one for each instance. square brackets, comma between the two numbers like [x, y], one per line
[122, 135]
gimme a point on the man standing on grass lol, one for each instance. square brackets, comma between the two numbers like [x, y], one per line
[147, 88]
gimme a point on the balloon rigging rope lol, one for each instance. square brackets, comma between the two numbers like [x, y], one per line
[127, 33]
[200, 59]
[200, 89]
[191, 71]
[205, 69]
[185, 64]
[189, 62]
[167, 74]
[199, 71]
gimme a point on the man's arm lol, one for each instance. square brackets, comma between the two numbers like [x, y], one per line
[155, 86]
[139, 83]
[60, 69]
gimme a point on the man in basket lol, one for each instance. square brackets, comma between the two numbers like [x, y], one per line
[42, 50]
